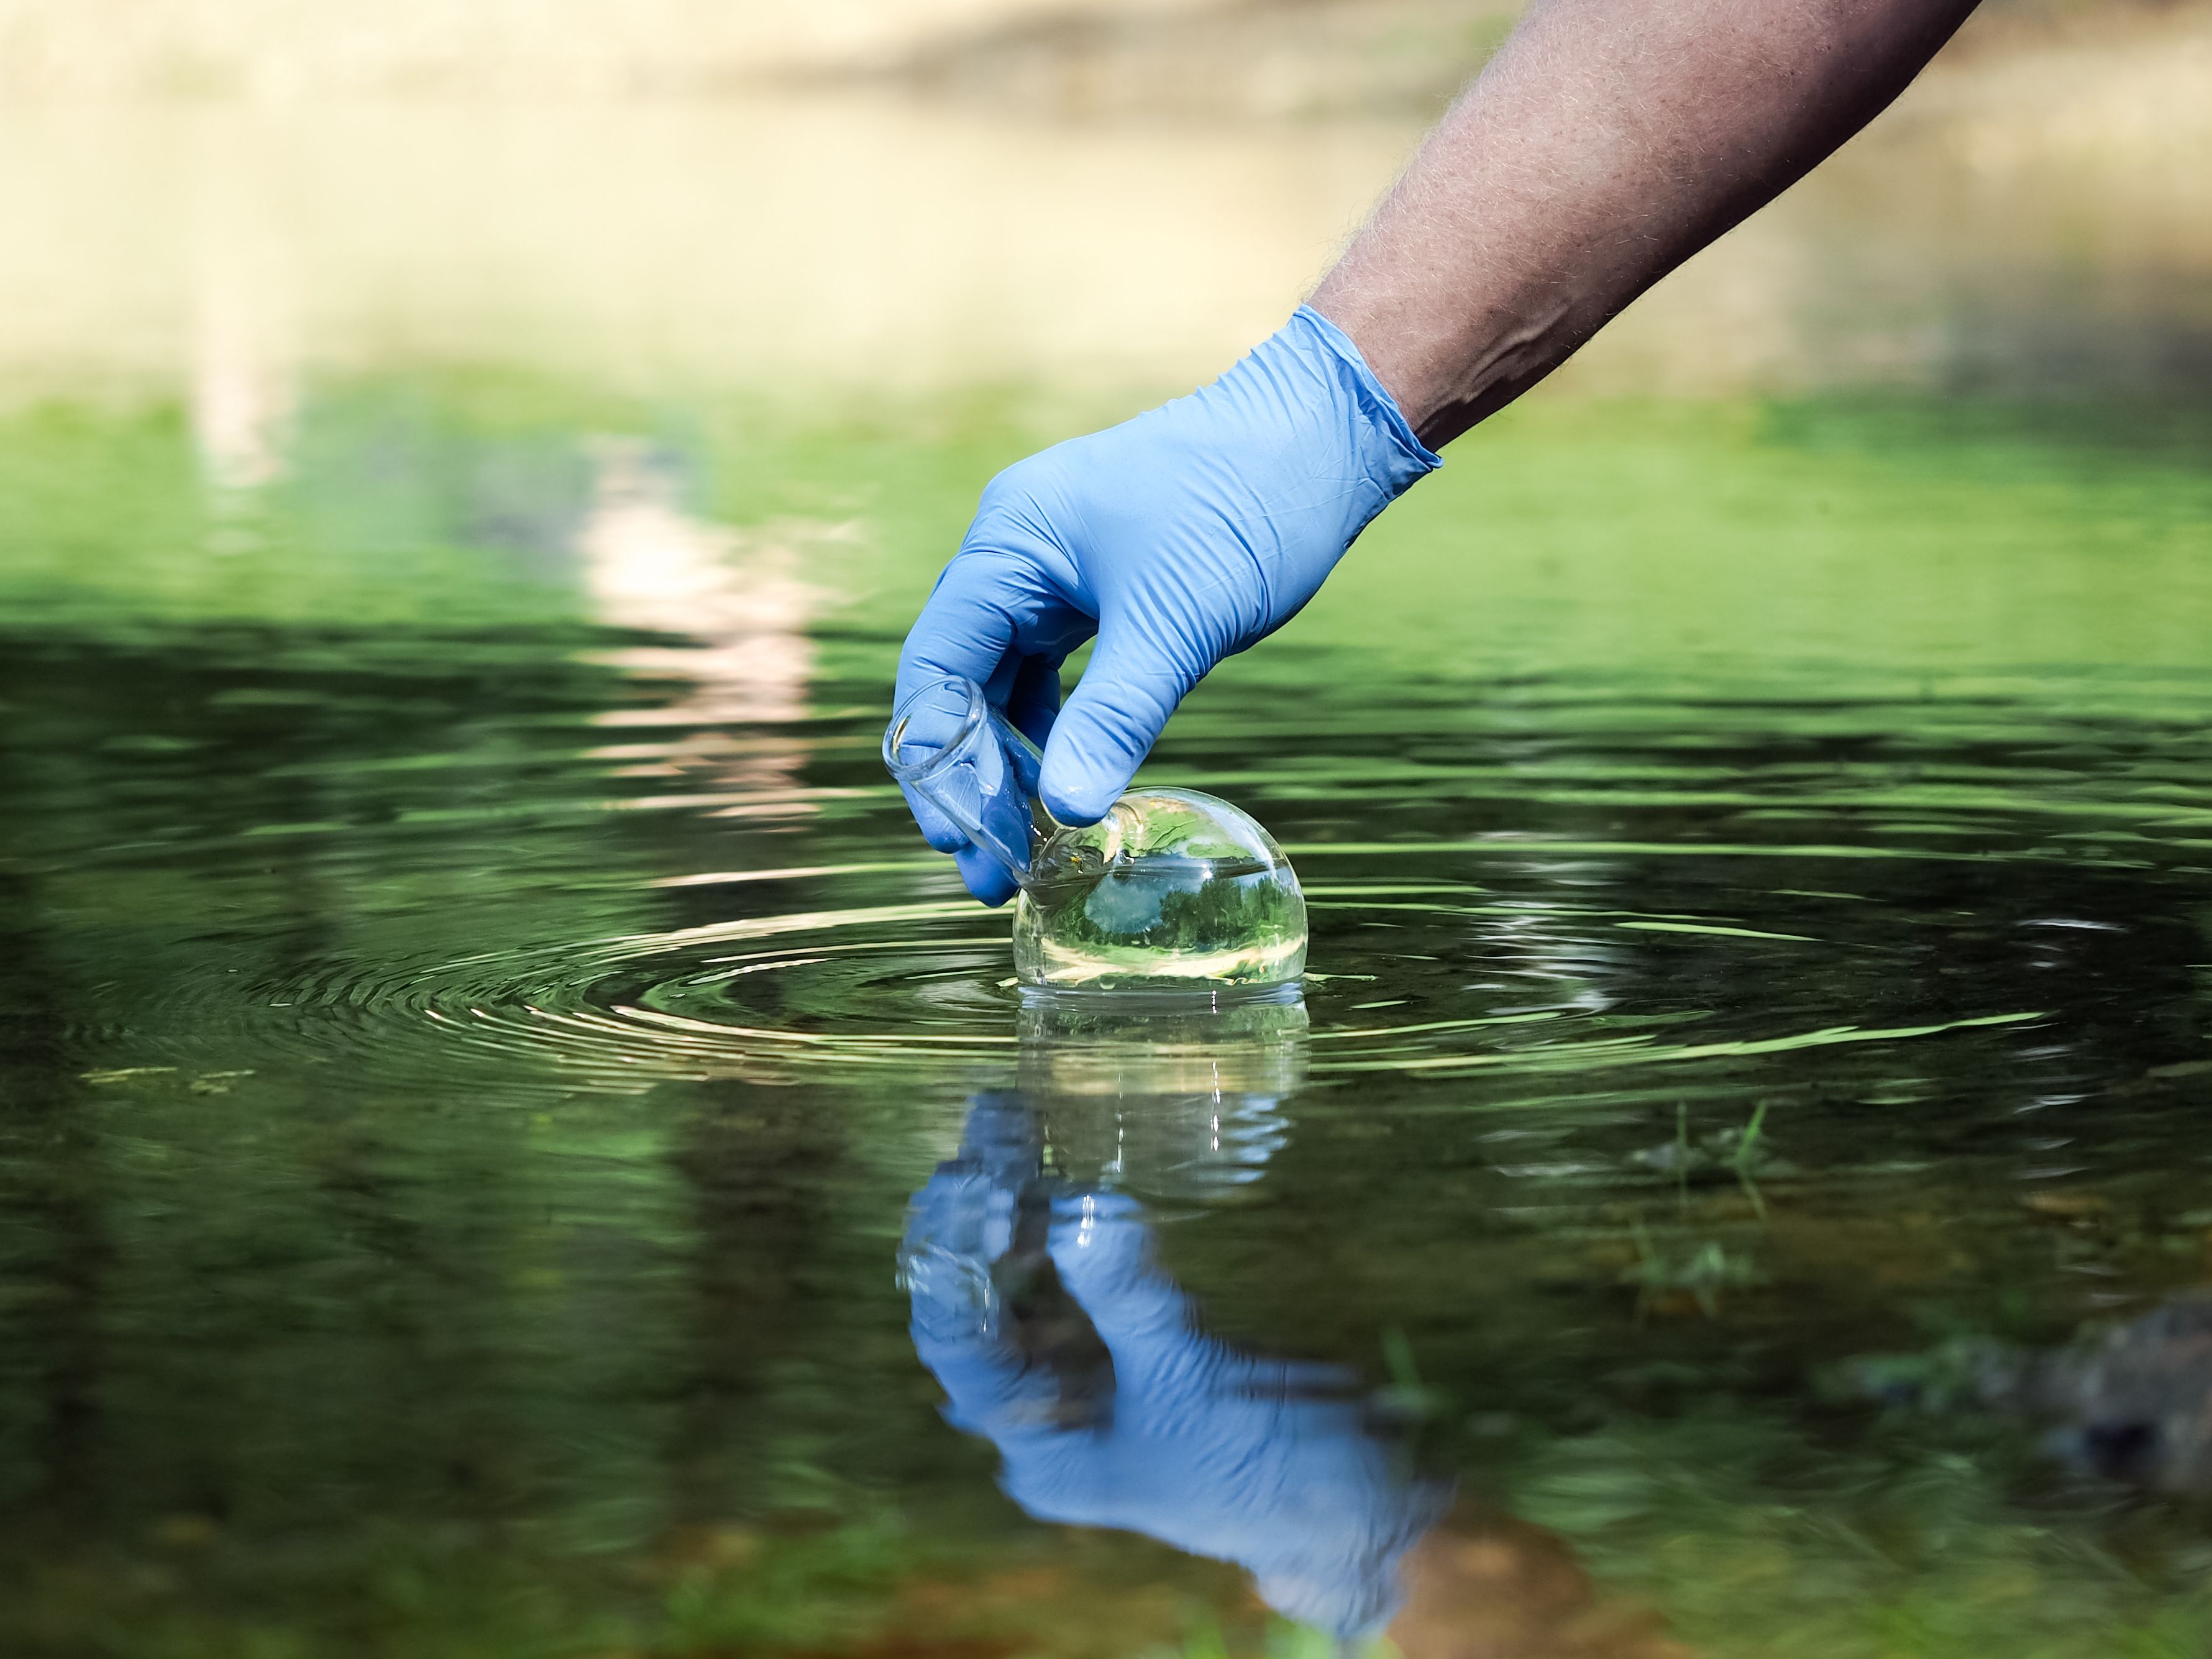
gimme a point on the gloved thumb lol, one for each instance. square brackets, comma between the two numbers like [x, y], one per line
[1110, 721]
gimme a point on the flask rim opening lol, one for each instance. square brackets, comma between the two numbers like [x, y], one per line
[978, 711]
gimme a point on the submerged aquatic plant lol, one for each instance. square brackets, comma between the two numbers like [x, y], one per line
[1701, 1273]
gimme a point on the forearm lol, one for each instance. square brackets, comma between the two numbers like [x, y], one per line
[1607, 142]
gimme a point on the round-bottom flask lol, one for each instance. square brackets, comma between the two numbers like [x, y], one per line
[1171, 886]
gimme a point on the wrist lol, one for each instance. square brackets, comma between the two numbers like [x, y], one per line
[1398, 442]
[1318, 447]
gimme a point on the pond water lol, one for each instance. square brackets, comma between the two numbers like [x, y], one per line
[509, 1144]
[512, 1146]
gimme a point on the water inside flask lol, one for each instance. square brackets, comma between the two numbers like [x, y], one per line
[1171, 890]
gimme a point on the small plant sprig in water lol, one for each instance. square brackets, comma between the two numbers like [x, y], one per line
[1743, 1153]
[1703, 1272]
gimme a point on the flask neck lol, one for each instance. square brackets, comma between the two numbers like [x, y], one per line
[956, 756]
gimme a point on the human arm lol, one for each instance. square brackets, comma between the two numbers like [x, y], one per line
[1607, 142]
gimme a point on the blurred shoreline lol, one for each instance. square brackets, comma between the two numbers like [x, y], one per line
[893, 197]
[1194, 59]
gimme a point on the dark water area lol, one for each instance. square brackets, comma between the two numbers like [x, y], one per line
[508, 1144]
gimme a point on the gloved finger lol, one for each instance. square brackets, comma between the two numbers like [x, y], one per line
[989, 612]
[1033, 704]
[987, 878]
[940, 831]
[1109, 723]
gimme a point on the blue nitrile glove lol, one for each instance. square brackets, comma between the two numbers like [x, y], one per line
[1178, 537]
[1259, 1462]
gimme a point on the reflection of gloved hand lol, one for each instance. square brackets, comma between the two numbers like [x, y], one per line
[1178, 537]
[1111, 1408]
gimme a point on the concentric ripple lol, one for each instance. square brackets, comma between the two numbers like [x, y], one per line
[1516, 898]
[766, 998]
[1422, 978]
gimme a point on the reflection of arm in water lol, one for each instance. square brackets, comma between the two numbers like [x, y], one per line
[1041, 1312]
[1607, 142]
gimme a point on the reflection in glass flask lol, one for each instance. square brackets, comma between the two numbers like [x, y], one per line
[1170, 884]
[1039, 1305]
[1172, 887]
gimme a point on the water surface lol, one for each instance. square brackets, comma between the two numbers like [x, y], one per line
[512, 1146]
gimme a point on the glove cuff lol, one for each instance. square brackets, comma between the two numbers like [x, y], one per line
[1407, 457]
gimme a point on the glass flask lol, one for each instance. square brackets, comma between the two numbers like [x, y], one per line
[1171, 890]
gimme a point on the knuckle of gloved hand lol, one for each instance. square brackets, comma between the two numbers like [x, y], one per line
[1054, 488]
[1014, 490]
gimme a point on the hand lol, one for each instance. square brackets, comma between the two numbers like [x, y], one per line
[1178, 538]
